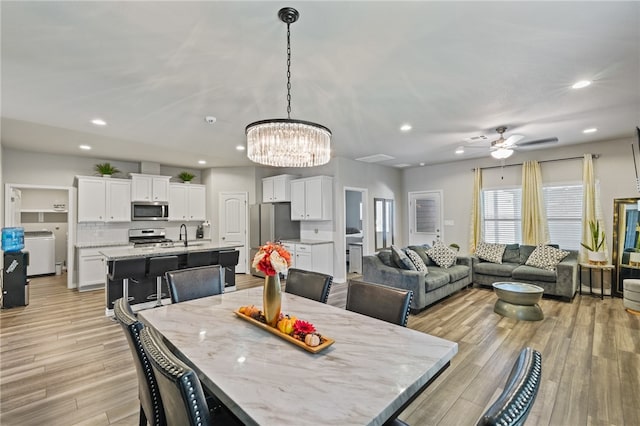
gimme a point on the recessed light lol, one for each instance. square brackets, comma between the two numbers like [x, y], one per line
[99, 122]
[422, 164]
[85, 147]
[459, 150]
[240, 147]
[405, 127]
[210, 119]
[202, 162]
[581, 84]
[590, 130]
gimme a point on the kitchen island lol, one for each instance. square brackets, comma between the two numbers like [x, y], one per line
[142, 294]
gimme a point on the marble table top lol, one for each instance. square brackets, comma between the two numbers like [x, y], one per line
[371, 370]
[116, 253]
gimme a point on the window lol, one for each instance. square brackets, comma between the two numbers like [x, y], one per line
[501, 210]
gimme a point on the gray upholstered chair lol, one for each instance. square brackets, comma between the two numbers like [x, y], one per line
[151, 408]
[379, 301]
[312, 285]
[180, 388]
[514, 403]
[193, 283]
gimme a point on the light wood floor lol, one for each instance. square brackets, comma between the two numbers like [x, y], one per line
[64, 363]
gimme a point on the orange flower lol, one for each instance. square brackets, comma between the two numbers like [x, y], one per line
[272, 258]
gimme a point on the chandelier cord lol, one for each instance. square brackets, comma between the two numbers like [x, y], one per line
[288, 71]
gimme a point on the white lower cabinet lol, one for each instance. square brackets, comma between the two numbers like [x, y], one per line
[91, 269]
[317, 257]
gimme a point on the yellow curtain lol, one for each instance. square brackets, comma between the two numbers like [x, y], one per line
[476, 212]
[534, 220]
[591, 210]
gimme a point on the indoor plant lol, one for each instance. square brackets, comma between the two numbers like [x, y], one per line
[186, 176]
[596, 243]
[106, 169]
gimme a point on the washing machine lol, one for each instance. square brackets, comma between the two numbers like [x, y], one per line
[41, 246]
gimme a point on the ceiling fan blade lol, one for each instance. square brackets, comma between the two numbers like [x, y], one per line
[527, 144]
[512, 140]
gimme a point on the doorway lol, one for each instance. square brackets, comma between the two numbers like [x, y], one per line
[355, 231]
[45, 207]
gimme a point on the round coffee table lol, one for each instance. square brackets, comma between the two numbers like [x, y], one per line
[518, 301]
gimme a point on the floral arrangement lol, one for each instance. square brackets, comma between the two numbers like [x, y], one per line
[272, 258]
[290, 325]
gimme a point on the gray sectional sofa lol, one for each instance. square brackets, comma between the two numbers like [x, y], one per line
[428, 287]
[563, 282]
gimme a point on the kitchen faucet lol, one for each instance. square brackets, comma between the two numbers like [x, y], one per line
[185, 234]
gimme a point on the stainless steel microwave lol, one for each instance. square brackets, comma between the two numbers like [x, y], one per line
[149, 210]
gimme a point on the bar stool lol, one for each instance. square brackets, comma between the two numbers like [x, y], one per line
[125, 270]
[225, 259]
[198, 258]
[157, 267]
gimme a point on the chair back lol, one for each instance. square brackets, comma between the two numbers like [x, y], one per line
[514, 403]
[148, 393]
[199, 258]
[379, 301]
[193, 283]
[180, 388]
[128, 269]
[312, 285]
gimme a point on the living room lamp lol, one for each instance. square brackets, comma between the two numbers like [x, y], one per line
[501, 153]
[283, 142]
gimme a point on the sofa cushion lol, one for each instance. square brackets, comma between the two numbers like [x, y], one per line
[417, 260]
[401, 259]
[497, 269]
[422, 252]
[385, 258]
[435, 279]
[511, 254]
[458, 272]
[442, 255]
[490, 252]
[525, 252]
[531, 273]
[546, 257]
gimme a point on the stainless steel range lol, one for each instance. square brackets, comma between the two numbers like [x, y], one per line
[149, 237]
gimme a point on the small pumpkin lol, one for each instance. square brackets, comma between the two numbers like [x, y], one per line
[312, 340]
[285, 325]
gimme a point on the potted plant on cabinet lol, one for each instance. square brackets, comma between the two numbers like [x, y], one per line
[595, 253]
[106, 169]
[186, 177]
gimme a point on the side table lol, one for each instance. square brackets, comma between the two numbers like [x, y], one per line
[591, 268]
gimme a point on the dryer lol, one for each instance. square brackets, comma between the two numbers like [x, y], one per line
[41, 246]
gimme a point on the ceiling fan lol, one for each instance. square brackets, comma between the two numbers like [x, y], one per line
[502, 148]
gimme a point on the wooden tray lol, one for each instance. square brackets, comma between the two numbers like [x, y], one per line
[326, 342]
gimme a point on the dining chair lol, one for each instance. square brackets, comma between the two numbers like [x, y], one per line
[312, 285]
[379, 301]
[179, 386]
[512, 406]
[151, 408]
[193, 283]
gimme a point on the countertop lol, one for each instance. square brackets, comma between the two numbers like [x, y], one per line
[96, 244]
[131, 252]
[310, 242]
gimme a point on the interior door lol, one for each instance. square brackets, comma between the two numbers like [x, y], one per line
[233, 225]
[425, 217]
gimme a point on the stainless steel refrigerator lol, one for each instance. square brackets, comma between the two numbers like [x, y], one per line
[270, 222]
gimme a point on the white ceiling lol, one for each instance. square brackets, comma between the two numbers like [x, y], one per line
[154, 70]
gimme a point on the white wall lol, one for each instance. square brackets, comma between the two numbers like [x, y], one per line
[614, 169]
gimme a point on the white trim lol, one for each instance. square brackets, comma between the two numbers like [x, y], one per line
[342, 257]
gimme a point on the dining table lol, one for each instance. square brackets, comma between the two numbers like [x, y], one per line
[372, 371]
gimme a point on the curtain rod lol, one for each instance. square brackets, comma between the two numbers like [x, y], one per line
[594, 156]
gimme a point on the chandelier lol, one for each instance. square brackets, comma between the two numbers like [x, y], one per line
[501, 153]
[283, 142]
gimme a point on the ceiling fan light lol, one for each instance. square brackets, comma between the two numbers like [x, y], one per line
[501, 153]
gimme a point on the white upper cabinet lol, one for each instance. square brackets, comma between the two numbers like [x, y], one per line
[276, 189]
[149, 187]
[104, 200]
[312, 198]
[187, 202]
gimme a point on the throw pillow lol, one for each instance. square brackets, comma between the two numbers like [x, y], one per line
[401, 259]
[490, 252]
[442, 255]
[417, 261]
[546, 257]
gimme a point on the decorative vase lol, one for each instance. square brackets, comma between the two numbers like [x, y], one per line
[271, 298]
